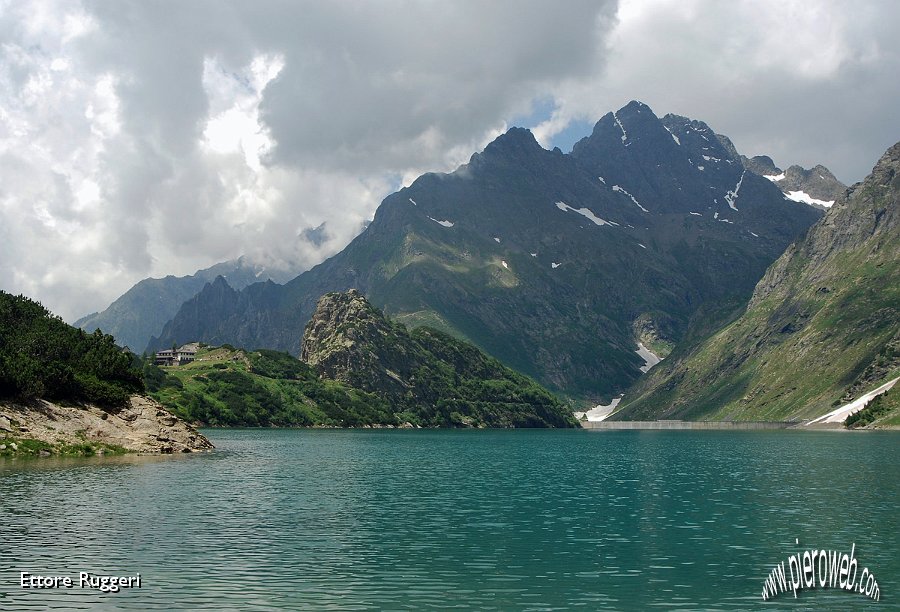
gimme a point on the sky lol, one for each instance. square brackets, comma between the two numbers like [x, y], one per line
[145, 138]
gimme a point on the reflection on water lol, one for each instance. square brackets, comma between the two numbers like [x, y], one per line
[469, 519]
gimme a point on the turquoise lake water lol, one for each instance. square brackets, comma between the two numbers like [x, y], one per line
[508, 520]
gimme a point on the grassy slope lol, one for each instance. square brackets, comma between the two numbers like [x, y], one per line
[230, 387]
[754, 370]
[827, 331]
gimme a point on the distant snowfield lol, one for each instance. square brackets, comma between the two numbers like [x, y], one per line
[599, 412]
[805, 198]
[841, 414]
[731, 196]
[621, 190]
[584, 212]
[650, 358]
[621, 127]
[444, 223]
[674, 137]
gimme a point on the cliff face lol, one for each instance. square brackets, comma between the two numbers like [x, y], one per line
[822, 325]
[142, 425]
[427, 377]
[348, 340]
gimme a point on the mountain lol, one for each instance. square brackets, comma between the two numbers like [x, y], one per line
[425, 376]
[556, 264]
[143, 310]
[816, 186]
[822, 326]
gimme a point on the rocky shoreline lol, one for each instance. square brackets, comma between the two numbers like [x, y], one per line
[143, 425]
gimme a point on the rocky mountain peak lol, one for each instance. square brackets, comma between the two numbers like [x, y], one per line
[544, 259]
[515, 142]
[444, 381]
[762, 165]
[344, 338]
[341, 319]
[817, 186]
[634, 122]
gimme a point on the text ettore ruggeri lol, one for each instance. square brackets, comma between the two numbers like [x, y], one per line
[85, 580]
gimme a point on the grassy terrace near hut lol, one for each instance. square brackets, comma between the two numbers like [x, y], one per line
[357, 369]
[229, 387]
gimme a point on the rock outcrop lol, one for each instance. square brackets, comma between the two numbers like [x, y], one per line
[814, 186]
[142, 426]
[427, 377]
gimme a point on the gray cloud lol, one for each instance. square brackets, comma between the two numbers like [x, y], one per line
[804, 82]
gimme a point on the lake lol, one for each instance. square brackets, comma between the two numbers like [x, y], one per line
[506, 520]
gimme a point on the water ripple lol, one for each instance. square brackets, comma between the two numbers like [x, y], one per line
[493, 520]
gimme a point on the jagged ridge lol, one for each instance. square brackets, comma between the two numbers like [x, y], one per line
[555, 264]
[821, 327]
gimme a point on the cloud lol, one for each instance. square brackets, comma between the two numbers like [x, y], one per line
[155, 138]
[803, 82]
[141, 138]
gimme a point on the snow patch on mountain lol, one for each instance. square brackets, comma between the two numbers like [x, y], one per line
[674, 137]
[650, 358]
[621, 127]
[584, 212]
[618, 189]
[774, 177]
[731, 196]
[802, 196]
[444, 223]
